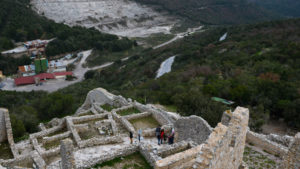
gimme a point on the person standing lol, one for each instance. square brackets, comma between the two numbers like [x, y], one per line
[131, 137]
[157, 133]
[140, 134]
[162, 134]
[171, 137]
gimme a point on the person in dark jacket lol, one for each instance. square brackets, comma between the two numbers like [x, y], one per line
[131, 137]
[157, 133]
[171, 137]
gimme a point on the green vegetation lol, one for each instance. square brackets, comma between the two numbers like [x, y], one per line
[86, 114]
[5, 151]
[257, 66]
[129, 111]
[255, 159]
[57, 132]
[52, 144]
[19, 23]
[134, 161]
[9, 65]
[156, 39]
[144, 123]
[213, 11]
[107, 107]
[100, 57]
[287, 8]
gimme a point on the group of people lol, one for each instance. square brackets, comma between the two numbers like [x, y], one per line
[160, 135]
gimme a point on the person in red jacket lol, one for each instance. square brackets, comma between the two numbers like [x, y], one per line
[162, 135]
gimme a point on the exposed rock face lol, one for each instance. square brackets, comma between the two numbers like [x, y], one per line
[193, 127]
[100, 96]
[67, 155]
[120, 17]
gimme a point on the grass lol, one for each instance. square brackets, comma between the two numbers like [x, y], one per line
[97, 58]
[156, 39]
[171, 108]
[107, 107]
[144, 123]
[129, 111]
[58, 132]
[86, 114]
[24, 137]
[5, 152]
[133, 161]
[52, 144]
[257, 160]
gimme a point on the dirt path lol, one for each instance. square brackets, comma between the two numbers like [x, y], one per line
[179, 36]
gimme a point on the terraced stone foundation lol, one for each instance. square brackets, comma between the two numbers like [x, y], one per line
[102, 136]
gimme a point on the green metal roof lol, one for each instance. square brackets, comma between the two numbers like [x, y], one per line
[228, 102]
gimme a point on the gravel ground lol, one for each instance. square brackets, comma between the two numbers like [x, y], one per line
[120, 17]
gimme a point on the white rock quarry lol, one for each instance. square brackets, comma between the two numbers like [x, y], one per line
[120, 17]
[165, 66]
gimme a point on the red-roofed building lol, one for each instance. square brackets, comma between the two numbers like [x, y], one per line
[42, 77]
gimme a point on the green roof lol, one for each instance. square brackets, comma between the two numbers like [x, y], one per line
[228, 102]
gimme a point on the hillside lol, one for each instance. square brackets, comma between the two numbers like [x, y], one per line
[257, 66]
[213, 11]
[19, 23]
[287, 8]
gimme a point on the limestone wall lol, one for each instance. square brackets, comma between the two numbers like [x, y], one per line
[292, 159]
[261, 141]
[193, 127]
[9, 133]
[225, 146]
[185, 159]
[3, 136]
[223, 149]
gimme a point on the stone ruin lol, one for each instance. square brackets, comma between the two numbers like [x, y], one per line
[98, 132]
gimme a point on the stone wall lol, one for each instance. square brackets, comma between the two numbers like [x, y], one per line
[9, 133]
[3, 136]
[222, 150]
[193, 127]
[261, 141]
[225, 146]
[292, 159]
[67, 155]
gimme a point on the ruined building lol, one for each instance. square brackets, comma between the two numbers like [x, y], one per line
[98, 132]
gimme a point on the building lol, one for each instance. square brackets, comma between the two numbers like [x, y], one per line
[42, 77]
[26, 70]
[57, 66]
[41, 65]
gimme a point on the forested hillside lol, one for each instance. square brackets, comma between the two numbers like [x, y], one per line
[288, 8]
[214, 11]
[19, 23]
[257, 66]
